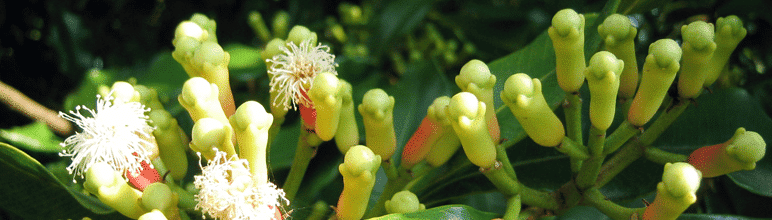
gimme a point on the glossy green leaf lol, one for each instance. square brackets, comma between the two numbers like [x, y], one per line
[714, 120]
[166, 76]
[34, 137]
[88, 89]
[443, 212]
[714, 217]
[35, 193]
[395, 20]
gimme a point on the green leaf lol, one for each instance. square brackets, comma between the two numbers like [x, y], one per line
[395, 20]
[711, 217]
[714, 120]
[34, 137]
[88, 89]
[443, 212]
[34, 193]
[166, 76]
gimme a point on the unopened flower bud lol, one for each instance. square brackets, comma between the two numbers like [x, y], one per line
[200, 98]
[698, 47]
[467, 117]
[524, 98]
[447, 142]
[159, 196]
[567, 34]
[603, 80]
[729, 33]
[149, 97]
[172, 142]
[257, 24]
[659, 71]
[476, 78]
[404, 202]
[280, 24]
[113, 191]
[377, 110]
[251, 124]
[358, 170]
[675, 193]
[347, 134]
[741, 152]
[618, 34]
[272, 48]
[155, 214]
[208, 135]
[300, 33]
[207, 24]
[124, 92]
[327, 102]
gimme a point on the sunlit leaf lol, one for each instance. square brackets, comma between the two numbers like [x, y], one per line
[34, 193]
[35, 137]
[443, 212]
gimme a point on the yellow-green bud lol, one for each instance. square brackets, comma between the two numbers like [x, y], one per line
[299, 33]
[257, 24]
[251, 124]
[172, 142]
[159, 196]
[618, 34]
[476, 78]
[377, 110]
[113, 191]
[280, 24]
[207, 24]
[524, 98]
[328, 102]
[155, 214]
[347, 134]
[697, 48]
[659, 71]
[124, 92]
[603, 80]
[200, 98]
[404, 202]
[675, 193]
[358, 170]
[272, 48]
[148, 97]
[209, 134]
[467, 117]
[741, 152]
[447, 143]
[729, 33]
[212, 61]
[567, 34]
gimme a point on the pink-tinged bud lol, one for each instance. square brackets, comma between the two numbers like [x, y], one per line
[145, 177]
[428, 133]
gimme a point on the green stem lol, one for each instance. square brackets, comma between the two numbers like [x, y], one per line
[273, 131]
[629, 153]
[660, 156]
[392, 187]
[624, 132]
[501, 155]
[304, 152]
[502, 180]
[187, 201]
[513, 208]
[538, 198]
[635, 149]
[589, 172]
[663, 122]
[573, 112]
[573, 149]
[611, 209]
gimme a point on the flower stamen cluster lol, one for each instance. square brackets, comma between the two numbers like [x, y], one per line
[293, 71]
[228, 191]
[115, 132]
